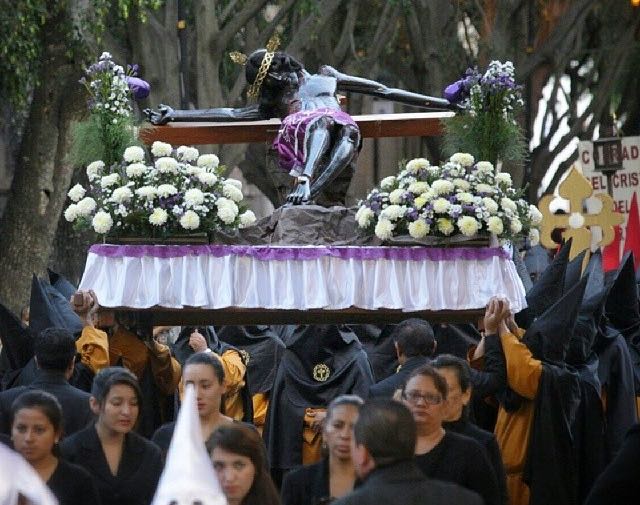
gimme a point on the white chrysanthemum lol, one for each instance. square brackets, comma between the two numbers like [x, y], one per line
[188, 154]
[102, 222]
[159, 149]
[208, 161]
[227, 210]
[508, 204]
[231, 192]
[109, 180]
[158, 217]
[71, 212]
[133, 154]
[462, 184]
[167, 165]
[384, 229]
[76, 193]
[468, 226]
[247, 218]
[190, 220]
[433, 171]
[494, 225]
[441, 205]
[484, 167]
[442, 187]
[193, 197]
[464, 159]
[535, 215]
[504, 178]
[418, 228]
[420, 202]
[534, 236]
[148, 192]
[419, 187]
[485, 188]
[121, 195]
[364, 216]
[234, 182]
[166, 190]
[395, 197]
[193, 170]
[387, 183]
[94, 169]
[136, 170]
[490, 205]
[465, 197]
[416, 164]
[515, 226]
[393, 212]
[207, 178]
[86, 206]
[445, 226]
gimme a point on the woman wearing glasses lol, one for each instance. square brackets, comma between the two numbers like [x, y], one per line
[441, 454]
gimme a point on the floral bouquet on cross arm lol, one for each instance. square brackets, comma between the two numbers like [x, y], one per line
[180, 192]
[459, 197]
[486, 126]
[110, 126]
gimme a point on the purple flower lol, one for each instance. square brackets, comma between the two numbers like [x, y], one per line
[455, 92]
[139, 88]
[132, 70]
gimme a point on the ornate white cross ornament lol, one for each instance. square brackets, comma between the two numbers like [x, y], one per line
[577, 224]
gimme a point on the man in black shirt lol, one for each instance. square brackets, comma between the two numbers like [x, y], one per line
[55, 353]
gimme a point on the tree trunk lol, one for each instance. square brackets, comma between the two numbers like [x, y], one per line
[42, 176]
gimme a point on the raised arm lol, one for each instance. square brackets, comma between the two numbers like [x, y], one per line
[368, 87]
[166, 114]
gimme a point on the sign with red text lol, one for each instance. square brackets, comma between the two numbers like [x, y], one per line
[625, 181]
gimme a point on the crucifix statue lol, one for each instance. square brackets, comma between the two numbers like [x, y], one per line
[577, 223]
[317, 141]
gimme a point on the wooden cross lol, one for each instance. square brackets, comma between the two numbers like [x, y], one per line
[576, 224]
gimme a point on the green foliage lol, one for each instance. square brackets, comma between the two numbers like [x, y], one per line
[486, 136]
[95, 140]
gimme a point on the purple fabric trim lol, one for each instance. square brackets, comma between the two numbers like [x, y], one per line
[270, 253]
[291, 142]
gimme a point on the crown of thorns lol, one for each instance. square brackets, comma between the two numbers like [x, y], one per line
[241, 59]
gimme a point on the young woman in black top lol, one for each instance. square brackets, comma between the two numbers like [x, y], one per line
[125, 466]
[240, 462]
[445, 455]
[36, 428]
[334, 476]
[204, 370]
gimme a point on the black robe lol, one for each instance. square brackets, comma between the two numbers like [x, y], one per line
[550, 468]
[377, 343]
[295, 388]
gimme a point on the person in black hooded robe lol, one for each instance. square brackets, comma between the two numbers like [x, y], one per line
[17, 346]
[237, 402]
[615, 363]
[320, 363]
[378, 343]
[262, 350]
[589, 425]
[541, 417]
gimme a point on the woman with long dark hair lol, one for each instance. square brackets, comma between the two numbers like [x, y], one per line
[36, 428]
[240, 462]
[334, 476]
[125, 466]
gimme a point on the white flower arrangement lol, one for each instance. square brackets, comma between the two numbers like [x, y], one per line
[179, 191]
[460, 197]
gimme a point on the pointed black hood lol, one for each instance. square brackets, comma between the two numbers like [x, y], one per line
[547, 290]
[16, 339]
[62, 284]
[590, 313]
[49, 309]
[548, 336]
[622, 307]
[574, 271]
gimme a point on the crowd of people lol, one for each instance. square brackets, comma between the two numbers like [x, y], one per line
[539, 407]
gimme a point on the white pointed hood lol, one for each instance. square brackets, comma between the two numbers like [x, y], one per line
[18, 477]
[188, 475]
